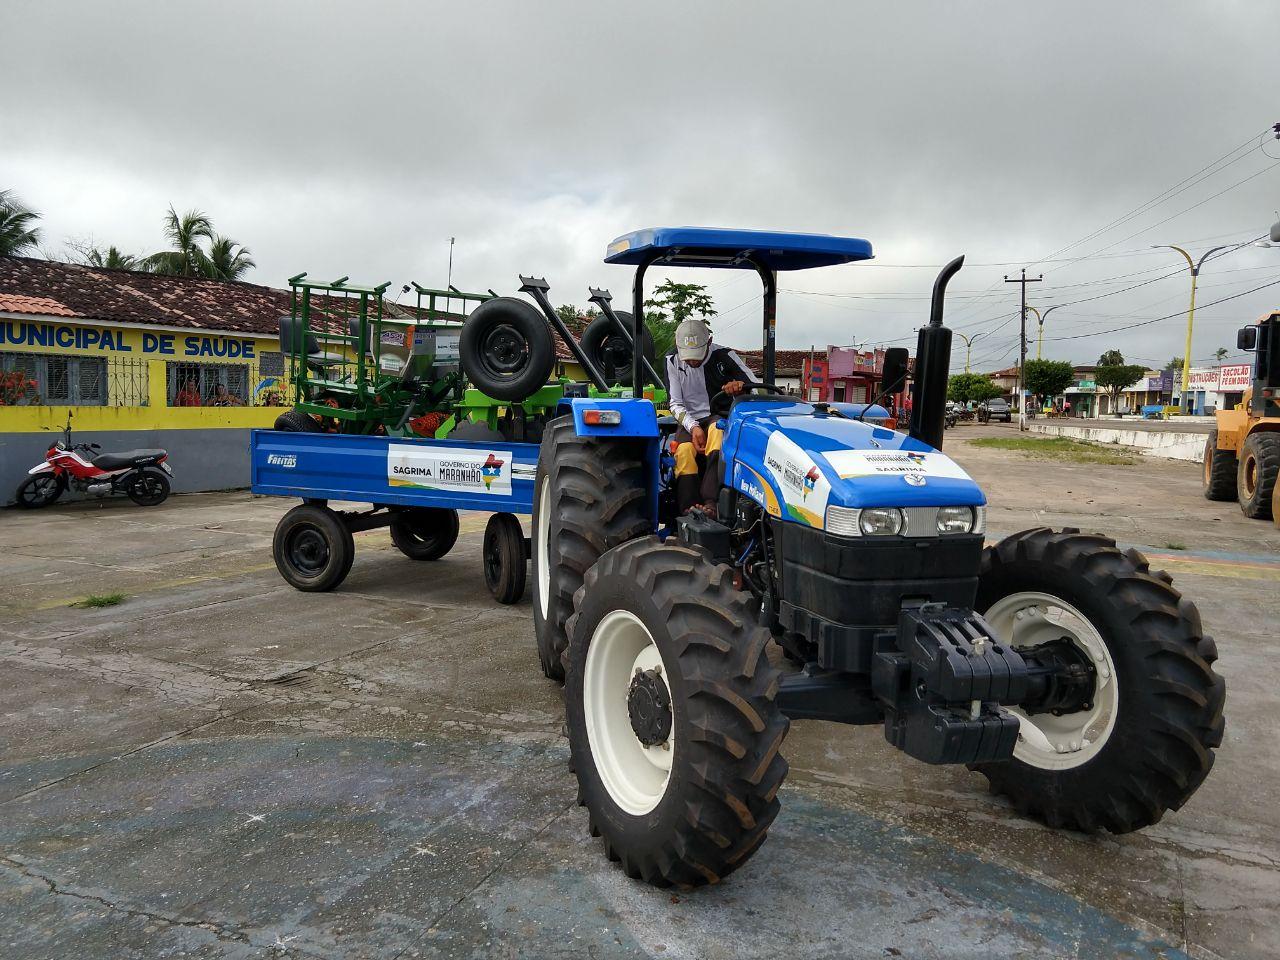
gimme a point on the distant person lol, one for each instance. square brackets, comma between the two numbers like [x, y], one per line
[188, 394]
[221, 398]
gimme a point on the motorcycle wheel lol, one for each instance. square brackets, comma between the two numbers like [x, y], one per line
[39, 491]
[147, 488]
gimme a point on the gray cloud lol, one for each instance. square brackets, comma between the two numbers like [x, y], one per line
[354, 139]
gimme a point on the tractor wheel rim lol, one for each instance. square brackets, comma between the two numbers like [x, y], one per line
[543, 537]
[635, 775]
[1059, 742]
[1250, 475]
[308, 551]
[505, 350]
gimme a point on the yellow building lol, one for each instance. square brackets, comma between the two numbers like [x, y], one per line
[137, 360]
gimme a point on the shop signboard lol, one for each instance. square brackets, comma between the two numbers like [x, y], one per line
[1235, 377]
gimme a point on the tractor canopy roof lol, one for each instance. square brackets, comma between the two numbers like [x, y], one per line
[740, 249]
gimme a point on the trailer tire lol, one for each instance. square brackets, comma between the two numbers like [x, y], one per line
[506, 349]
[590, 494]
[295, 421]
[505, 558]
[1256, 474]
[673, 729]
[424, 533]
[1164, 700]
[313, 548]
[606, 348]
[1220, 468]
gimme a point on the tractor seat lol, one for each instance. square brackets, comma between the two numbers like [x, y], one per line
[125, 458]
[291, 339]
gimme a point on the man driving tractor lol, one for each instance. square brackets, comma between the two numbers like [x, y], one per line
[697, 370]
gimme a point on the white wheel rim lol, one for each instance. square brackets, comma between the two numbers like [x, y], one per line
[636, 776]
[543, 537]
[1071, 740]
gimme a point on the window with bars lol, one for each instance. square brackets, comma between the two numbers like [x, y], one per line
[207, 384]
[58, 380]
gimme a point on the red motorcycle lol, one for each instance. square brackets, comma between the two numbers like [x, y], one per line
[142, 475]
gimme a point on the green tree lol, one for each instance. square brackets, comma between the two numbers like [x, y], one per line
[91, 255]
[972, 388]
[18, 233]
[185, 233]
[1113, 358]
[1174, 364]
[227, 260]
[1220, 354]
[569, 314]
[671, 303]
[1115, 377]
[1047, 378]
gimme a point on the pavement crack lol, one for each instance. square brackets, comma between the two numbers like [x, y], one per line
[60, 889]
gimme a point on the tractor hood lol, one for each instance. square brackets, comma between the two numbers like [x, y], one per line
[796, 462]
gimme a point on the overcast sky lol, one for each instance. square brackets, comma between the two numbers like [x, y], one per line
[357, 138]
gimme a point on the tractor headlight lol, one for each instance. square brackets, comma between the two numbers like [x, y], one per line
[956, 519]
[880, 521]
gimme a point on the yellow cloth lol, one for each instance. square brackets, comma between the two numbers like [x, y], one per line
[687, 456]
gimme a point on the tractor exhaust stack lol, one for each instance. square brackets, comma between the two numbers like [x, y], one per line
[933, 364]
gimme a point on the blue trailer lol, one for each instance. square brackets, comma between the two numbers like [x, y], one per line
[413, 486]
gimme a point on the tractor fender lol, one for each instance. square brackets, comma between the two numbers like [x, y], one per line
[637, 417]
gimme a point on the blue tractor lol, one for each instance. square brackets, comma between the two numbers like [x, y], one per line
[1069, 673]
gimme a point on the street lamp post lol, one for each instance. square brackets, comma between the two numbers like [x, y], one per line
[1195, 266]
[968, 344]
[1040, 318]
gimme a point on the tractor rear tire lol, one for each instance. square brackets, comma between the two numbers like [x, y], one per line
[589, 496]
[295, 421]
[313, 548]
[1256, 475]
[506, 349]
[678, 764]
[1165, 701]
[607, 348]
[425, 533]
[505, 558]
[1220, 468]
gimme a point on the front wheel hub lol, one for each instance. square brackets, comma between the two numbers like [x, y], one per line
[649, 708]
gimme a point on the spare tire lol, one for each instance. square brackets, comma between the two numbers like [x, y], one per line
[506, 349]
[611, 352]
[295, 421]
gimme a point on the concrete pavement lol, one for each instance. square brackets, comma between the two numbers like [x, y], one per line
[223, 767]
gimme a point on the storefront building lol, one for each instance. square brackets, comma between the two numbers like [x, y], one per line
[136, 360]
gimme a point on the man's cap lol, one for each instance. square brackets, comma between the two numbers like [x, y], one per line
[692, 338]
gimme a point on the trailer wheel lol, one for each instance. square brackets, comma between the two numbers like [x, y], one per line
[1144, 741]
[295, 421]
[506, 349]
[313, 548]
[589, 495]
[1219, 470]
[1256, 475]
[505, 558]
[425, 533]
[673, 728]
[610, 351]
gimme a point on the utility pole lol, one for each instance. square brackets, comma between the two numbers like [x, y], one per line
[1185, 397]
[968, 345]
[1040, 319]
[1022, 345]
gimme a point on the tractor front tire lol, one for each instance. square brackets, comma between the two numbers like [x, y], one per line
[1256, 475]
[1220, 468]
[589, 496]
[313, 548]
[673, 729]
[1144, 743]
[425, 533]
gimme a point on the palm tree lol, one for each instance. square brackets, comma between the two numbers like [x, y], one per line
[185, 232]
[17, 235]
[225, 262]
[113, 259]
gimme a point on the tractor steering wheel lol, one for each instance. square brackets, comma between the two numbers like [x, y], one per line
[747, 386]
